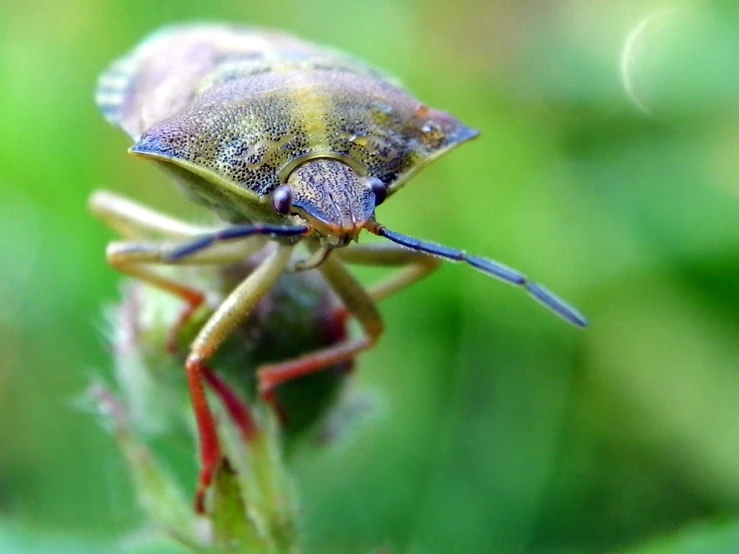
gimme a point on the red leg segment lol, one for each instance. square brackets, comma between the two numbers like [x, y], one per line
[272, 376]
[210, 450]
[194, 300]
[237, 409]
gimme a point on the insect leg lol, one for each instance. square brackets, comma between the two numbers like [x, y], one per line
[357, 302]
[220, 325]
[133, 220]
[132, 258]
[237, 409]
[136, 221]
[417, 266]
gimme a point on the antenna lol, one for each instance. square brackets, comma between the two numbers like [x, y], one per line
[490, 267]
[232, 233]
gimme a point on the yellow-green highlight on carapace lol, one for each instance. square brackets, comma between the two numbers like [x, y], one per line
[286, 142]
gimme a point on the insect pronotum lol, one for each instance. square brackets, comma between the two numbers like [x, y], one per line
[286, 142]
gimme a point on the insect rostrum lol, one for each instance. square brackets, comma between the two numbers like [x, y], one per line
[286, 142]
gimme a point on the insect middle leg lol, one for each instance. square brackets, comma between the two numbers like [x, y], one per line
[133, 258]
[136, 221]
[358, 303]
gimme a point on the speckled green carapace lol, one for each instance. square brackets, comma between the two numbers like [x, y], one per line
[233, 112]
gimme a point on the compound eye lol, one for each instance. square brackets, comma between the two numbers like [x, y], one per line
[379, 189]
[282, 199]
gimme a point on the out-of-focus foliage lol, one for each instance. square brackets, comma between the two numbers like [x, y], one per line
[609, 174]
[15, 539]
[704, 539]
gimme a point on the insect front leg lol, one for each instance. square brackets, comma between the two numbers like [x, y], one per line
[357, 302]
[220, 325]
[417, 266]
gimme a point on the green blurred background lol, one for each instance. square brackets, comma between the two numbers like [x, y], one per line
[611, 178]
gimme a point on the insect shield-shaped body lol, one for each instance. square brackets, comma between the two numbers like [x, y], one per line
[233, 114]
[286, 142]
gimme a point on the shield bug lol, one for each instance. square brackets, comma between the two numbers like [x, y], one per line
[286, 142]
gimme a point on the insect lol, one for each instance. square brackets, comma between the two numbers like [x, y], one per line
[288, 143]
